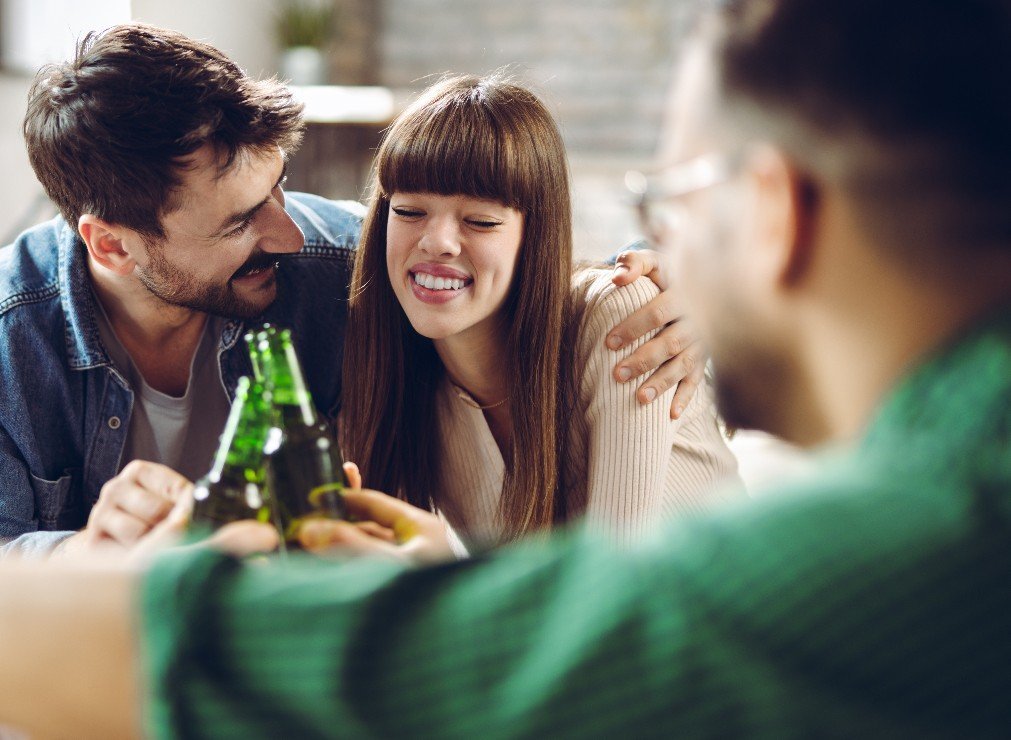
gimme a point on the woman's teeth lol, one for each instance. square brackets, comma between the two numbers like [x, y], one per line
[437, 283]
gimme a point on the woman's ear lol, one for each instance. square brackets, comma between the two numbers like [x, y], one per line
[105, 244]
[787, 213]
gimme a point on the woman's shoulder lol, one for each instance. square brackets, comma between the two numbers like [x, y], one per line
[596, 298]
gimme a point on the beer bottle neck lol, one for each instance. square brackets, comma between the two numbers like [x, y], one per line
[241, 446]
[291, 395]
[255, 360]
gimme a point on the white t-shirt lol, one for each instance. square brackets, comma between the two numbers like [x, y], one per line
[181, 432]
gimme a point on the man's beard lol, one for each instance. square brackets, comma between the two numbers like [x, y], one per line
[753, 382]
[176, 288]
[753, 379]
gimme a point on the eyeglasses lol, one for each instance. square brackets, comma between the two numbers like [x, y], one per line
[657, 198]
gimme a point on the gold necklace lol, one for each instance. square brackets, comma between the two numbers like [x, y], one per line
[474, 404]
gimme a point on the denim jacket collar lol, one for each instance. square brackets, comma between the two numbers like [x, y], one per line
[84, 347]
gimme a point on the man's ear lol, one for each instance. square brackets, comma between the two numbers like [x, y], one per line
[786, 214]
[105, 244]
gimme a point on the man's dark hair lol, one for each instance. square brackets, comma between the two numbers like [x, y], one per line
[107, 132]
[904, 103]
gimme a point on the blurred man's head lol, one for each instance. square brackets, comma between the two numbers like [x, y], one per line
[156, 144]
[825, 161]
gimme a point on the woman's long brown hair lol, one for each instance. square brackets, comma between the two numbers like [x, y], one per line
[487, 138]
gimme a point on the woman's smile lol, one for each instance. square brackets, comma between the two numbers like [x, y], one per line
[434, 283]
[431, 289]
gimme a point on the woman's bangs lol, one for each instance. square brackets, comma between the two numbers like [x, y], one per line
[455, 150]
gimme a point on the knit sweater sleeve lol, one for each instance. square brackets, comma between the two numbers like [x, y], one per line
[643, 468]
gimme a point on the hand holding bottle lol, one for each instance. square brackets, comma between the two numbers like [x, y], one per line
[387, 527]
[240, 538]
[129, 507]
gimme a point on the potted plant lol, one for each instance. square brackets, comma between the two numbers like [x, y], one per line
[304, 28]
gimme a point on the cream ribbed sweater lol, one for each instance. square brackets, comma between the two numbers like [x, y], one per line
[642, 469]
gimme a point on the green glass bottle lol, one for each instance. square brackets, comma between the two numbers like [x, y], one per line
[254, 354]
[304, 464]
[235, 488]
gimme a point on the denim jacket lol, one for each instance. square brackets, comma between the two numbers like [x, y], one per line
[65, 409]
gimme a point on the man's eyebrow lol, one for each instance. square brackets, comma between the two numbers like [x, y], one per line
[243, 216]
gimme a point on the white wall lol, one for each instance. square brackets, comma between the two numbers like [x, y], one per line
[32, 33]
[19, 189]
[243, 29]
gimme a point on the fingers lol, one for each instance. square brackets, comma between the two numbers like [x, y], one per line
[686, 390]
[659, 312]
[675, 340]
[244, 538]
[670, 374]
[377, 530]
[630, 266]
[675, 354]
[324, 535]
[352, 475]
[419, 536]
[119, 527]
[136, 500]
[241, 539]
[393, 529]
[156, 478]
[382, 509]
[148, 506]
[169, 531]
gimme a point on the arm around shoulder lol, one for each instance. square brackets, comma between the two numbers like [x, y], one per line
[643, 468]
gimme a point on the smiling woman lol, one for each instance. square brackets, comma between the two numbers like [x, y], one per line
[459, 249]
[476, 382]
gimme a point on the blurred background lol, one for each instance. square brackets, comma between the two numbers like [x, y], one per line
[602, 67]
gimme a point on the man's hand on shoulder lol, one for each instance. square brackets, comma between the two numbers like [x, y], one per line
[675, 353]
[130, 508]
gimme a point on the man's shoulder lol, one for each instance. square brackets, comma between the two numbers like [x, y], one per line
[326, 223]
[847, 518]
[29, 267]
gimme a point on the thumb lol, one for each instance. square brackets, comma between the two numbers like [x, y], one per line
[353, 475]
[630, 266]
[165, 533]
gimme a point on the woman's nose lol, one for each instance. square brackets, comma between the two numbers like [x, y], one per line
[440, 239]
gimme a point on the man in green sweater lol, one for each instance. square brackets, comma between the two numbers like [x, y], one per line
[834, 194]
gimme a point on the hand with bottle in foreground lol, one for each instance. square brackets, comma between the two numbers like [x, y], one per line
[145, 509]
[240, 538]
[130, 508]
[387, 527]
